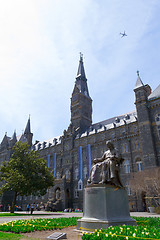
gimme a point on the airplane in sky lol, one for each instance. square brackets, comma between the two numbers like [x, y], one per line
[123, 34]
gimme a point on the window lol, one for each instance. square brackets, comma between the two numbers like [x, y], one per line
[158, 128]
[76, 174]
[85, 172]
[80, 185]
[67, 174]
[157, 119]
[58, 175]
[76, 193]
[128, 190]
[137, 146]
[124, 148]
[126, 166]
[139, 166]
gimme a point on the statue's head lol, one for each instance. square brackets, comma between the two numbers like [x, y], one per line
[110, 144]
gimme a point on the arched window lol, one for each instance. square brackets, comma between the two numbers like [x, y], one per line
[124, 148]
[76, 173]
[139, 165]
[85, 172]
[67, 173]
[137, 146]
[157, 119]
[80, 185]
[58, 175]
[126, 165]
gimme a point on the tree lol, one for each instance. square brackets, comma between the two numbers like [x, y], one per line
[148, 182]
[25, 173]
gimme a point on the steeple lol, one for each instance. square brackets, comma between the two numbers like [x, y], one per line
[81, 80]
[139, 82]
[81, 72]
[81, 103]
[13, 139]
[28, 127]
[27, 132]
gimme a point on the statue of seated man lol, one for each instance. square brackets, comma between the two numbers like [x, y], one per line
[108, 165]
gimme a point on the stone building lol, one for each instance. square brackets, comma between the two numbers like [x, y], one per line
[136, 135]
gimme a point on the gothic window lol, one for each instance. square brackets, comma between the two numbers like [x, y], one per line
[58, 175]
[76, 173]
[113, 135]
[135, 129]
[158, 128]
[67, 174]
[139, 165]
[128, 190]
[126, 166]
[85, 172]
[123, 133]
[124, 148]
[80, 185]
[137, 146]
[76, 193]
[157, 118]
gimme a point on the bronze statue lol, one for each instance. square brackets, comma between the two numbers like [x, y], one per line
[107, 167]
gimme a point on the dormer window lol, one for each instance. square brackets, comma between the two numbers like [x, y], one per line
[117, 120]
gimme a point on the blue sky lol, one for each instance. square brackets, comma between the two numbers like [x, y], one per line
[40, 41]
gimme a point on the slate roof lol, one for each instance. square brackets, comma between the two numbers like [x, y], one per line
[110, 123]
[139, 82]
[155, 94]
[48, 143]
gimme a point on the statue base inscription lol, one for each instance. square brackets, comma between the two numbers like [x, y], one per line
[104, 205]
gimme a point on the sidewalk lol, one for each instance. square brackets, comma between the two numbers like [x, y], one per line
[43, 214]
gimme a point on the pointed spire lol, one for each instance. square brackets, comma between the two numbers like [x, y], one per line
[28, 127]
[14, 137]
[139, 82]
[81, 71]
[81, 80]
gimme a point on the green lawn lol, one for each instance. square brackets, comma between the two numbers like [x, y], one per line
[8, 214]
[10, 236]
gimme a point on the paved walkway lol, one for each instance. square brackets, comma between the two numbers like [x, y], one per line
[43, 214]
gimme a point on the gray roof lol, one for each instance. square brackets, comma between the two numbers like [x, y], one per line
[48, 143]
[139, 82]
[155, 94]
[110, 123]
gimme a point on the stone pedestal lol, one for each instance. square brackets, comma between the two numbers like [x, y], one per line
[104, 206]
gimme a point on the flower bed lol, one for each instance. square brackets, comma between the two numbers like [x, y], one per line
[147, 228]
[22, 226]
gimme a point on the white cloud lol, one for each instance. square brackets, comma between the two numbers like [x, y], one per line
[39, 45]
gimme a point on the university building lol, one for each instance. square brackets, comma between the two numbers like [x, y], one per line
[136, 135]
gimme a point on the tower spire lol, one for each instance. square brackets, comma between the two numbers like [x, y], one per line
[139, 82]
[28, 127]
[81, 72]
[81, 80]
[81, 103]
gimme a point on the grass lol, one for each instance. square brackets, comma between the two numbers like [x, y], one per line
[7, 214]
[10, 236]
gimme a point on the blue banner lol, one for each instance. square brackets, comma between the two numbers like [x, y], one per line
[48, 161]
[54, 164]
[80, 163]
[88, 159]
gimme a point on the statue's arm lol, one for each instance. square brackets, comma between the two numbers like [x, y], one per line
[96, 160]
